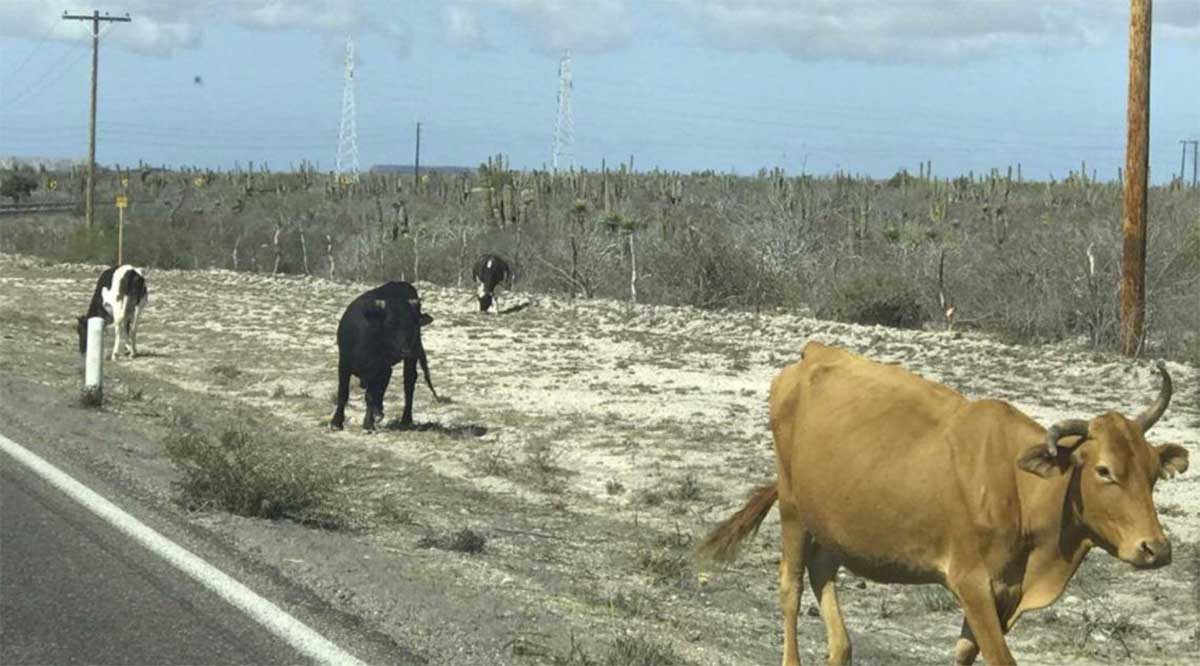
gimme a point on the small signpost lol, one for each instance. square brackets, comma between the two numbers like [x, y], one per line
[122, 204]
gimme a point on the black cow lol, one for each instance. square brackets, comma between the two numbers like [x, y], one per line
[489, 272]
[378, 330]
[119, 297]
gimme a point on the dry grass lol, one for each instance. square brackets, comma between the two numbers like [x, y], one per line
[593, 443]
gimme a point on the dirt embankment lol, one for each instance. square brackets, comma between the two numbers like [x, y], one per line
[589, 444]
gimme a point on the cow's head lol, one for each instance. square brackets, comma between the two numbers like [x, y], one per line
[400, 320]
[1112, 475]
[485, 302]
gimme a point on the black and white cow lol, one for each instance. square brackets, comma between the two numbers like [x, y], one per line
[379, 329]
[489, 272]
[119, 298]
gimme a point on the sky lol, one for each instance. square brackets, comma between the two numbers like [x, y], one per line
[816, 86]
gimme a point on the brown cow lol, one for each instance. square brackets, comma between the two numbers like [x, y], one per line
[906, 481]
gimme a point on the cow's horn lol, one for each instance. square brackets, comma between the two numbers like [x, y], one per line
[1064, 428]
[1148, 418]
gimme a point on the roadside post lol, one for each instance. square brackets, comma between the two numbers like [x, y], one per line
[93, 380]
[122, 204]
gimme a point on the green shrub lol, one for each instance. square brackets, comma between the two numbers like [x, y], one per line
[635, 649]
[247, 472]
[18, 185]
[883, 298]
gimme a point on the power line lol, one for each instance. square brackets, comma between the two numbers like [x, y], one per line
[37, 46]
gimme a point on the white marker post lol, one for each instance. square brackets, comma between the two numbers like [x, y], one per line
[93, 375]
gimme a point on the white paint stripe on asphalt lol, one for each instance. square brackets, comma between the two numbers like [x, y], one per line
[287, 628]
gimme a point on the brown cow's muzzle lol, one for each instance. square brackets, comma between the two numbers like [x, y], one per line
[1151, 554]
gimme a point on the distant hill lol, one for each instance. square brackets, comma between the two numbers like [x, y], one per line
[32, 162]
[408, 168]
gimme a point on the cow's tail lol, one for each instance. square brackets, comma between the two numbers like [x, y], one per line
[722, 544]
[425, 371]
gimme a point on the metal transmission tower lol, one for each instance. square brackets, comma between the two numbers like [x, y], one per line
[347, 151]
[564, 124]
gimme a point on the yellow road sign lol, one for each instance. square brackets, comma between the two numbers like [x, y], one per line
[122, 201]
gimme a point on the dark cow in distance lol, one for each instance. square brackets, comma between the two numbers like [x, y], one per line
[379, 329]
[489, 272]
[119, 297]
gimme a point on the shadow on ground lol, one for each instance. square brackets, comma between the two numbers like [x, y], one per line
[451, 431]
[515, 308]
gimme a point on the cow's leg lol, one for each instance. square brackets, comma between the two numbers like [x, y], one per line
[343, 395]
[966, 650]
[822, 574]
[370, 398]
[791, 570]
[381, 385]
[128, 335]
[410, 383]
[118, 325]
[133, 326]
[974, 592]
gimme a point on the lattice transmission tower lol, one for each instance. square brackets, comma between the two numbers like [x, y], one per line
[347, 151]
[564, 124]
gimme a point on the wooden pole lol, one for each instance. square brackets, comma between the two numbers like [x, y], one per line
[120, 234]
[417, 162]
[95, 18]
[1137, 158]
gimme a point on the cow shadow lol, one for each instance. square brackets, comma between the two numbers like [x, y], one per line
[515, 308]
[464, 431]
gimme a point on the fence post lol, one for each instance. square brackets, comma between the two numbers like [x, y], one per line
[93, 380]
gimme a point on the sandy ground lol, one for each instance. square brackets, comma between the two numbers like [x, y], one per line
[592, 442]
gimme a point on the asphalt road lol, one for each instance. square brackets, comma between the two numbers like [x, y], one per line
[73, 590]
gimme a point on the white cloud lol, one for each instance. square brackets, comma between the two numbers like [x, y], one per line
[159, 27]
[583, 25]
[463, 29]
[1179, 19]
[921, 30]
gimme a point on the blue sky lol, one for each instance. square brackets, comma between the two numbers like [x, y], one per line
[868, 86]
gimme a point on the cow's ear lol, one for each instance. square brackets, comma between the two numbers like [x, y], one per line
[425, 319]
[1037, 460]
[1172, 460]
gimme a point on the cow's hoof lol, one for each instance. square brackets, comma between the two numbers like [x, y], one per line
[335, 425]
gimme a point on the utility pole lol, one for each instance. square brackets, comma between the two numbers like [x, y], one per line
[417, 161]
[1137, 160]
[1182, 158]
[95, 18]
[1195, 149]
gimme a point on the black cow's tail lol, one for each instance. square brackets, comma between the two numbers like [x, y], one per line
[425, 371]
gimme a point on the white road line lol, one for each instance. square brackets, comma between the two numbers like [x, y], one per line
[287, 628]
